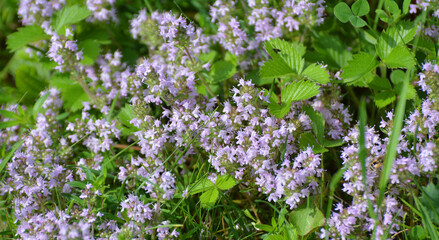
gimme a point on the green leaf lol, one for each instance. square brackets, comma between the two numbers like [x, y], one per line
[28, 81]
[332, 143]
[424, 43]
[392, 7]
[308, 139]
[125, 115]
[209, 198]
[71, 15]
[359, 68]
[90, 49]
[24, 36]
[383, 99]
[77, 184]
[225, 182]
[307, 218]
[400, 57]
[38, 107]
[298, 91]
[382, 15]
[286, 61]
[394, 36]
[71, 91]
[279, 111]
[380, 84]
[8, 124]
[397, 77]
[10, 154]
[201, 185]
[360, 8]
[222, 70]
[275, 237]
[264, 227]
[357, 22]
[430, 200]
[334, 49]
[342, 12]
[9, 114]
[406, 6]
[316, 73]
[417, 233]
[317, 122]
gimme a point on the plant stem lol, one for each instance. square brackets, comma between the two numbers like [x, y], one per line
[199, 75]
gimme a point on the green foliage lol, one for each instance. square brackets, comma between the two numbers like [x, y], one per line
[24, 36]
[70, 15]
[359, 70]
[71, 91]
[285, 59]
[307, 218]
[222, 70]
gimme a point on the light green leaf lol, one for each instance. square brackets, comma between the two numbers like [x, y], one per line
[384, 98]
[222, 70]
[400, 57]
[342, 12]
[316, 73]
[394, 36]
[8, 124]
[264, 227]
[317, 122]
[71, 15]
[298, 91]
[38, 107]
[307, 218]
[24, 36]
[225, 182]
[279, 111]
[10, 154]
[285, 59]
[359, 67]
[360, 8]
[357, 22]
[201, 185]
[275, 237]
[209, 198]
[392, 7]
[405, 6]
[9, 114]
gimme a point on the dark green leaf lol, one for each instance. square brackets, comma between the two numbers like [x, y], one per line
[308, 139]
[380, 84]
[29, 81]
[222, 70]
[10, 154]
[90, 49]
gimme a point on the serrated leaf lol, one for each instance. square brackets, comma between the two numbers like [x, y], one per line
[307, 219]
[298, 91]
[28, 81]
[201, 185]
[209, 198]
[285, 60]
[400, 57]
[275, 237]
[316, 73]
[424, 43]
[225, 182]
[24, 36]
[222, 70]
[357, 69]
[405, 6]
[342, 12]
[334, 49]
[380, 84]
[70, 15]
[384, 98]
[308, 139]
[357, 22]
[394, 36]
[382, 15]
[279, 111]
[360, 8]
